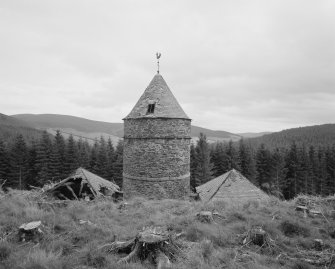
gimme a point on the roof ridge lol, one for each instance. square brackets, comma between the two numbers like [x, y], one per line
[223, 181]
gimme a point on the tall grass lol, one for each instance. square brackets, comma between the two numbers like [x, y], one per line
[68, 244]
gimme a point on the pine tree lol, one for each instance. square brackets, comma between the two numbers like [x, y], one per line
[263, 168]
[330, 171]
[44, 149]
[102, 158]
[233, 158]
[94, 157]
[193, 167]
[118, 164]
[204, 166]
[247, 166]
[278, 173]
[83, 153]
[220, 160]
[313, 178]
[32, 177]
[322, 172]
[57, 157]
[292, 167]
[18, 159]
[4, 163]
[304, 171]
[71, 155]
[111, 156]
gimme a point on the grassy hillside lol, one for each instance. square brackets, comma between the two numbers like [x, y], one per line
[66, 243]
[86, 127]
[318, 135]
[10, 127]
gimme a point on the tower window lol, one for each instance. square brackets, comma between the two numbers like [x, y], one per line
[151, 108]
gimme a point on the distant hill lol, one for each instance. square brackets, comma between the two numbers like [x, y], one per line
[252, 135]
[91, 129]
[10, 127]
[317, 135]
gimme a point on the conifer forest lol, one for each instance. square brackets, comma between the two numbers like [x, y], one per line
[284, 172]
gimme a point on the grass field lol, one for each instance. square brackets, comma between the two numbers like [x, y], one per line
[66, 243]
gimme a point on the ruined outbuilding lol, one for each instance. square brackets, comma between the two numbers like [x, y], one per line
[231, 186]
[82, 184]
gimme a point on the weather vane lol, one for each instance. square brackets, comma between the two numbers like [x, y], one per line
[158, 55]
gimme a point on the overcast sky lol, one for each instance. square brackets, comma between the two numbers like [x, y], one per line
[238, 66]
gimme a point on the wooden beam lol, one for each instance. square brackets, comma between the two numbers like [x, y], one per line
[71, 190]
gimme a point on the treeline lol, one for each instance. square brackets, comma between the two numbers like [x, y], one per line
[50, 159]
[283, 172]
[317, 136]
[8, 133]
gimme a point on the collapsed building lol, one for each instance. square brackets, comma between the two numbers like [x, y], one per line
[82, 184]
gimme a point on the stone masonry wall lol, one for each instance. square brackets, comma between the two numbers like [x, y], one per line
[172, 189]
[157, 128]
[156, 158]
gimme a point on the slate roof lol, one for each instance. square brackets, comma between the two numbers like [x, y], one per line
[158, 93]
[230, 186]
[94, 181]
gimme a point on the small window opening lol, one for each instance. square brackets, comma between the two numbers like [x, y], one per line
[151, 108]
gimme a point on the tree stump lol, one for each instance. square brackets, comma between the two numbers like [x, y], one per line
[205, 216]
[152, 243]
[318, 244]
[258, 236]
[30, 231]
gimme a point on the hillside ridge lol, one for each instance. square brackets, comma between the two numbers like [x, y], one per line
[83, 125]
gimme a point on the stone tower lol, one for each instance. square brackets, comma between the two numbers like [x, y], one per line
[156, 156]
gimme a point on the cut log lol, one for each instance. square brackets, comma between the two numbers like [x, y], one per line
[315, 212]
[301, 208]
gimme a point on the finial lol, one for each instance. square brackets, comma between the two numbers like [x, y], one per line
[158, 55]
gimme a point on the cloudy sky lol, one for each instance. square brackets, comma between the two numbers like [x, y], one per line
[239, 66]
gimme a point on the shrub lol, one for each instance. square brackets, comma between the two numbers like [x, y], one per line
[291, 229]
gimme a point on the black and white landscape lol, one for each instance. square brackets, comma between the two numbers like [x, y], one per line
[100, 170]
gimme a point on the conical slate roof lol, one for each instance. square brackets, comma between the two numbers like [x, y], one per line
[165, 104]
[230, 186]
